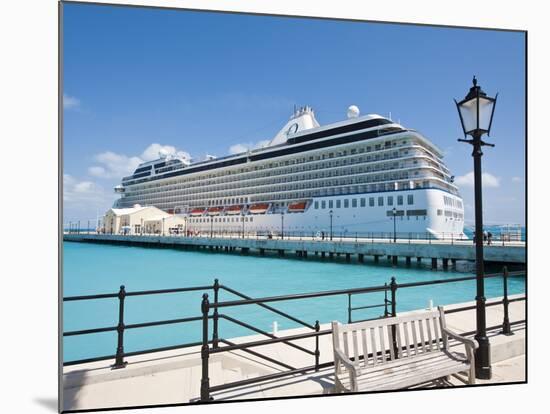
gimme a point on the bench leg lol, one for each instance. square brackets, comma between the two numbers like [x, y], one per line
[472, 375]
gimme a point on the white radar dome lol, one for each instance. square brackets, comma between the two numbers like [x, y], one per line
[353, 111]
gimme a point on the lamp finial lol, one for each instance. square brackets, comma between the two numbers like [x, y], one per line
[474, 80]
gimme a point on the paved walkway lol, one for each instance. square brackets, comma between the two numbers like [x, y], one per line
[174, 377]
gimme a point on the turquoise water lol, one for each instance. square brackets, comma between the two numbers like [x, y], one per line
[94, 269]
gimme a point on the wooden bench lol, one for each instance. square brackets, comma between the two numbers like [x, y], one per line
[398, 352]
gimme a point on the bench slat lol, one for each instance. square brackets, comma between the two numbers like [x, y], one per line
[382, 343]
[389, 329]
[422, 340]
[374, 350]
[398, 339]
[346, 347]
[407, 342]
[355, 347]
[429, 329]
[415, 337]
[365, 348]
[437, 332]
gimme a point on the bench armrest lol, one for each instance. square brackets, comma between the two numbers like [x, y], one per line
[468, 342]
[352, 366]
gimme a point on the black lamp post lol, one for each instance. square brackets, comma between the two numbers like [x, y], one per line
[476, 116]
[394, 232]
[282, 224]
[330, 214]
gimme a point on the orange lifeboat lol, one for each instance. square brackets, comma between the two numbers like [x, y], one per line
[197, 211]
[234, 209]
[214, 211]
[297, 207]
[259, 208]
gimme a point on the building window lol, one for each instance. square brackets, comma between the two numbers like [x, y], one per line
[316, 205]
[390, 200]
[410, 199]
[380, 201]
[354, 202]
[338, 203]
[439, 212]
[346, 203]
[323, 204]
[330, 203]
[363, 202]
[371, 201]
[400, 200]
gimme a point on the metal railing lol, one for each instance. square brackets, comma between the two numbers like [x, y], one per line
[499, 239]
[210, 312]
[392, 287]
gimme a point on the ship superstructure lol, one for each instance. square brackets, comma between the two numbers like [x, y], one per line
[356, 176]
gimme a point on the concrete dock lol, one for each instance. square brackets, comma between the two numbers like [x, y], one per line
[173, 377]
[444, 252]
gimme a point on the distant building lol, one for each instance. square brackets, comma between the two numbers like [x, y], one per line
[141, 220]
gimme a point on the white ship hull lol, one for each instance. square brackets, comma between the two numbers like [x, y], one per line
[349, 221]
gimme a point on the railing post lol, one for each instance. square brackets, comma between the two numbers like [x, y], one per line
[205, 381]
[349, 307]
[393, 287]
[317, 353]
[386, 300]
[119, 359]
[215, 336]
[506, 330]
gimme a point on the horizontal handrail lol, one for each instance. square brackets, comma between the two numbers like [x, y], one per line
[257, 354]
[133, 353]
[269, 341]
[277, 311]
[134, 326]
[253, 328]
[136, 293]
[487, 304]
[298, 296]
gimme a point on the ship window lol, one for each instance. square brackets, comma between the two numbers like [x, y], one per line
[390, 201]
[371, 201]
[400, 200]
[338, 203]
[380, 201]
[439, 212]
[363, 202]
[323, 204]
[346, 203]
[354, 202]
[316, 205]
[410, 199]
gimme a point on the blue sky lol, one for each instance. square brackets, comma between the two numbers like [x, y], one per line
[137, 80]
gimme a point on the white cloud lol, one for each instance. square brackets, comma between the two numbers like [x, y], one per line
[488, 180]
[113, 165]
[70, 102]
[516, 179]
[243, 147]
[153, 151]
[77, 192]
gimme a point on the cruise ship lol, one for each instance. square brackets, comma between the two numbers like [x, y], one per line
[364, 175]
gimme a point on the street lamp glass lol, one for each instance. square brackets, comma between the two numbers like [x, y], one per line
[469, 115]
[476, 111]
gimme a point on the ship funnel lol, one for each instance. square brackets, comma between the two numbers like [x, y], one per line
[302, 119]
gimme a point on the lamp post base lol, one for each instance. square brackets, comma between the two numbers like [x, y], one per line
[483, 358]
